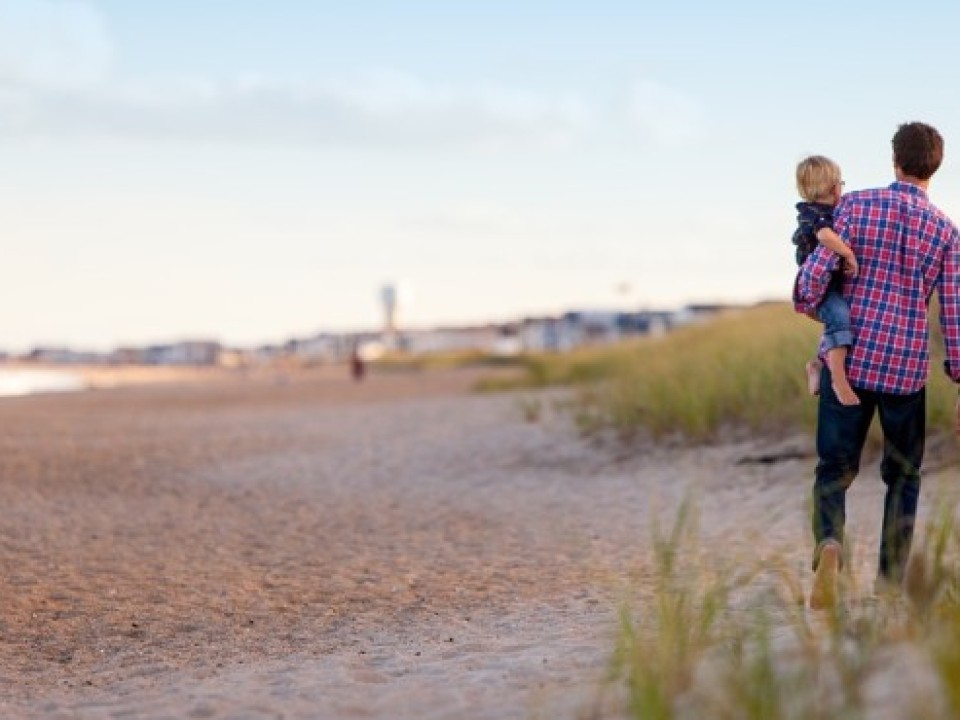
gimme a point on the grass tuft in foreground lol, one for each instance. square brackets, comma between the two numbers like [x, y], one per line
[728, 640]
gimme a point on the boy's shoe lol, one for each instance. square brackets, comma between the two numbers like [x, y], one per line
[823, 595]
[813, 369]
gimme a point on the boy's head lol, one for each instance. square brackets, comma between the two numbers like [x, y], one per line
[818, 180]
[917, 150]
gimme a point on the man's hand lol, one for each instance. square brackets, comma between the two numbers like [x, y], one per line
[850, 266]
[957, 418]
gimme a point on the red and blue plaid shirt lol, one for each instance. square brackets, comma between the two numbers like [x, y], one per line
[906, 248]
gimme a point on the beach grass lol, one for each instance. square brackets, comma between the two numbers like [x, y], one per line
[444, 360]
[742, 369]
[729, 638]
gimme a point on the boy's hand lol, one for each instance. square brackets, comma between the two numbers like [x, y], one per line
[850, 266]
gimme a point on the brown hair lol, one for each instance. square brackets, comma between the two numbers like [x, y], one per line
[817, 176]
[917, 150]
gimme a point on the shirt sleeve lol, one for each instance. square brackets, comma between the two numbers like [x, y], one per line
[948, 291]
[814, 277]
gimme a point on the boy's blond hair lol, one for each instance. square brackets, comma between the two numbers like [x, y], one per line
[817, 176]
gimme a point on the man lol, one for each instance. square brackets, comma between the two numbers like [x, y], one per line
[906, 248]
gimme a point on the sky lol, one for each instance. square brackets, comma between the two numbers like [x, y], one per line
[250, 171]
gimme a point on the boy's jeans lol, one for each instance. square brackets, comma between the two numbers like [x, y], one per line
[834, 313]
[841, 432]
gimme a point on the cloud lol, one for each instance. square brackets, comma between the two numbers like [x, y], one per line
[52, 46]
[664, 114]
[382, 108]
[58, 79]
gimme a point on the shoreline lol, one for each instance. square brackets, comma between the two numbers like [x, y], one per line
[27, 380]
[93, 377]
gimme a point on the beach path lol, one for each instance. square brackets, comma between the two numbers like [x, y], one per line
[304, 547]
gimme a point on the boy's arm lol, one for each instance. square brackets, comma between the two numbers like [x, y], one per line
[829, 238]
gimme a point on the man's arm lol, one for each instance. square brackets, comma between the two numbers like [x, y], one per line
[816, 271]
[814, 278]
[948, 291]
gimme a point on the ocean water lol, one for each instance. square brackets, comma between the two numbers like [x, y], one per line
[18, 381]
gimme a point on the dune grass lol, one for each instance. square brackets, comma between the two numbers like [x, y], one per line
[695, 649]
[444, 360]
[573, 367]
[741, 369]
[731, 638]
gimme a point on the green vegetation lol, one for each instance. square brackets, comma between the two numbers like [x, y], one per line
[447, 360]
[715, 636]
[575, 367]
[722, 640]
[741, 369]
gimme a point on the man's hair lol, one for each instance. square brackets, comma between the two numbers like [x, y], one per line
[917, 150]
[817, 176]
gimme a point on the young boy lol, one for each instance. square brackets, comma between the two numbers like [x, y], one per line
[820, 186]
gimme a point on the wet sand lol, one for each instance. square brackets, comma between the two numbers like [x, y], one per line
[300, 546]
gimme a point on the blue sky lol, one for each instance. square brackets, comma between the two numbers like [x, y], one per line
[251, 170]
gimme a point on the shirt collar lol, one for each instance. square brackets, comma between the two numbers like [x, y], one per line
[909, 188]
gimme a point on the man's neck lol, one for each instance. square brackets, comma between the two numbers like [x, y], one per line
[904, 178]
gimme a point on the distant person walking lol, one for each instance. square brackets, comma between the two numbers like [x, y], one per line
[358, 367]
[906, 249]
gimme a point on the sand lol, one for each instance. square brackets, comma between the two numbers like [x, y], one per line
[301, 546]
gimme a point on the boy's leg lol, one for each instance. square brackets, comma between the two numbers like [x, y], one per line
[903, 419]
[836, 358]
[837, 338]
[841, 433]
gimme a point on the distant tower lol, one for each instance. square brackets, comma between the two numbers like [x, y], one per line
[390, 299]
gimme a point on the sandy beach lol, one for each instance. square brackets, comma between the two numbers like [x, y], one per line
[304, 547]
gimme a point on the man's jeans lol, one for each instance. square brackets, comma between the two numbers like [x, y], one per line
[841, 433]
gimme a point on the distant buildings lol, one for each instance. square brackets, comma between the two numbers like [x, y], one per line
[189, 352]
[572, 329]
[63, 356]
[585, 327]
[193, 352]
[451, 339]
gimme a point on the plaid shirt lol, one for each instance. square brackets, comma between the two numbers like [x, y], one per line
[906, 249]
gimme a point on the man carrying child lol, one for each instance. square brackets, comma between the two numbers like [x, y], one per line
[906, 250]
